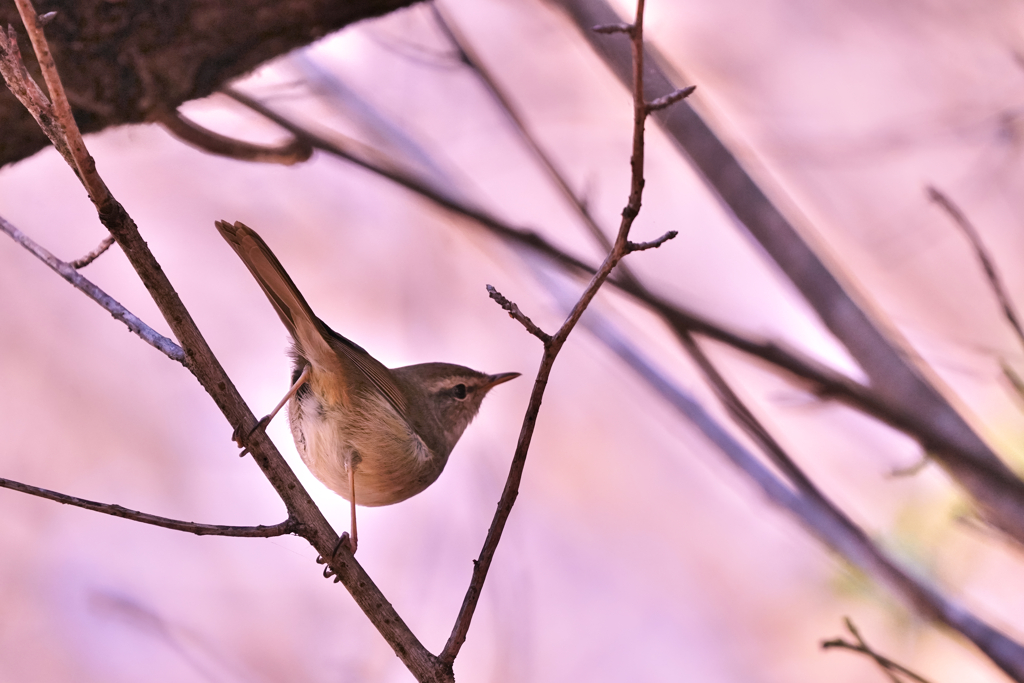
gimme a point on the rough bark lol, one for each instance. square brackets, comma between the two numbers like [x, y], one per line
[126, 62]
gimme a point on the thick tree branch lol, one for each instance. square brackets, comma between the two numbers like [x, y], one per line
[136, 59]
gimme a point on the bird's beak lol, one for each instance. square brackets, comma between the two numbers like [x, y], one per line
[500, 378]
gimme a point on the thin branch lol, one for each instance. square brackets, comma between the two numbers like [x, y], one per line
[823, 381]
[289, 526]
[827, 383]
[292, 152]
[66, 271]
[668, 100]
[895, 380]
[94, 254]
[469, 57]
[516, 314]
[28, 92]
[551, 350]
[892, 669]
[83, 161]
[825, 521]
[987, 263]
[653, 244]
[200, 360]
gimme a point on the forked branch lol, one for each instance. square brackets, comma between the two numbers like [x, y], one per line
[552, 346]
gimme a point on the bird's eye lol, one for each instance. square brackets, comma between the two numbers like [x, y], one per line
[460, 391]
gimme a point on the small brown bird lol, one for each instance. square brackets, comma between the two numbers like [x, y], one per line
[373, 435]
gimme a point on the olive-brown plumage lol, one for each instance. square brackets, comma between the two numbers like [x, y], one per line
[387, 433]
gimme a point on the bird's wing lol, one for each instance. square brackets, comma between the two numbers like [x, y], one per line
[311, 335]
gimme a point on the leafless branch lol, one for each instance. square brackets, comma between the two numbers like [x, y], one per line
[551, 350]
[895, 381]
[830, 525]
[200, 360]
[66, 271]
[987, 263]
[292, 152]
[289, 526]
[821, 380]
[653, 244]
[891, 668]
[94, 254]
[516, 314]
[28, 92]
[670, 99]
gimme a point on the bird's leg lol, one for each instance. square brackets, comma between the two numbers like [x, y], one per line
[354, 539]
[265, 420]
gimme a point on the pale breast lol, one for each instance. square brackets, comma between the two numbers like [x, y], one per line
[391, 461]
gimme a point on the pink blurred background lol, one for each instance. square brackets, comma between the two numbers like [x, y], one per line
[635, 551]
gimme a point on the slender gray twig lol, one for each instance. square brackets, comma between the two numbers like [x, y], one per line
[94, 254]
[136, 326]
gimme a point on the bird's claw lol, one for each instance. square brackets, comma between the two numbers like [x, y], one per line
[328, 572]
[236, 435]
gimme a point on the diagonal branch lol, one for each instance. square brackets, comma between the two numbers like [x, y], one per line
[998, 492]
[828, 523]
[200, 360]
[552, 347]
[289, 526]
[144, 331]
[987, 264]
[824, 381]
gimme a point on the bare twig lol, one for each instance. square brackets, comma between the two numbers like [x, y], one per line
[892, 669]
[551, 350]
[289, 526]
[469, 57]
[987, 263]
[94, 254]
[670, 99]
[66, 271]
[292, 152]
[653, 244]
[516, 314]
